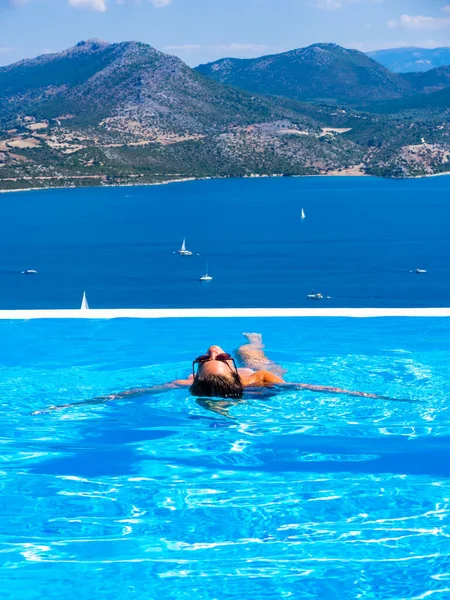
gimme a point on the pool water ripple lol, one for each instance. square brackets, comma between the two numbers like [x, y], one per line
[290, 494]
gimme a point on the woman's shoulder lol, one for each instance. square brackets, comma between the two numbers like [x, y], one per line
[184, 382]
[261, 378]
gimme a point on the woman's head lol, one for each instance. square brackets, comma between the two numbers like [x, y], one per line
[216, 375]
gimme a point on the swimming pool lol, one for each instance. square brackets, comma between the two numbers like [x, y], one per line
[290, 495]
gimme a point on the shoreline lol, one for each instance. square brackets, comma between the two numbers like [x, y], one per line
[252, 176]
[66, 187]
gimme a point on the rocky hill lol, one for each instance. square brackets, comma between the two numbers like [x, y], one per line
[95, 80]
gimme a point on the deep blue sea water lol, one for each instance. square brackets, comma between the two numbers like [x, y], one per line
[359, 242]
[289, 495]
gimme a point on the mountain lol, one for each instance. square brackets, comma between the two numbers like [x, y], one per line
[404, 60]
[95, 80]
[317, 73]
[101, 113]
[437, 103]
[429, 81]
[107, 112]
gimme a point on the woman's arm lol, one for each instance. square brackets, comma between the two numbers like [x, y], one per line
[267, 378]
[184, 382]
[335, 390]
[133, 393]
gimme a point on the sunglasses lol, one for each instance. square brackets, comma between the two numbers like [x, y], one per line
[223, 357]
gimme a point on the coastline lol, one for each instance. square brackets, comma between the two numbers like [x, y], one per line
[66, 187]
[187, 179]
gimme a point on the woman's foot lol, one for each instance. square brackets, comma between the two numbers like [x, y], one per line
[254, 338]
[252, 355]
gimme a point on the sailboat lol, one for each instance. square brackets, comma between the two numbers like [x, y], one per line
[183, 251]
[84, 303]
[206, 277]
[303, 216]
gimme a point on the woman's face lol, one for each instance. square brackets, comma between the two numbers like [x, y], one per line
[216, 367]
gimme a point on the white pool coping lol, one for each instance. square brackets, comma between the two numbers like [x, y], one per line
[182, 313]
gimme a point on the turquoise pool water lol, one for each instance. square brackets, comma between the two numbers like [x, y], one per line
[289, 495]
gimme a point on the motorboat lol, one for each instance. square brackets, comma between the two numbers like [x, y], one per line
[303, 216]
[206, 277]
[182, 251]
[421, 271]
[30, 272]
[314, 296]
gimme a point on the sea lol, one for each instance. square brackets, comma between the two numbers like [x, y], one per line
[359, 246]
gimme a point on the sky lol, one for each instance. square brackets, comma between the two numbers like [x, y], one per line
[200, 31]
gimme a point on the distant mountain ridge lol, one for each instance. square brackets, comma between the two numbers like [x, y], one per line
[318, 72]
[412, 59]
[324, 72]
[429, 81]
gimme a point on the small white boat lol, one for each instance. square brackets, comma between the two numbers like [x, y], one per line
[182, 251]
[206, 277]
[421, 271]
[314, 296]
[303, 216]
[29, 272]
[84, 303]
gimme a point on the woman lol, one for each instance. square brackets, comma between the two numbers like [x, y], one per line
[216, 375]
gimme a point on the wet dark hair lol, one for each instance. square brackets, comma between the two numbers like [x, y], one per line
[209, 385]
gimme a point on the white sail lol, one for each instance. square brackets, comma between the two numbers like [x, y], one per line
[84, 303]
[182, 251]
[303, 214]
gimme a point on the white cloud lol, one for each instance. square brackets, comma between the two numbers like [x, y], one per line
[98, 5]
[447, 8]
[6, 50]
[420, 22]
